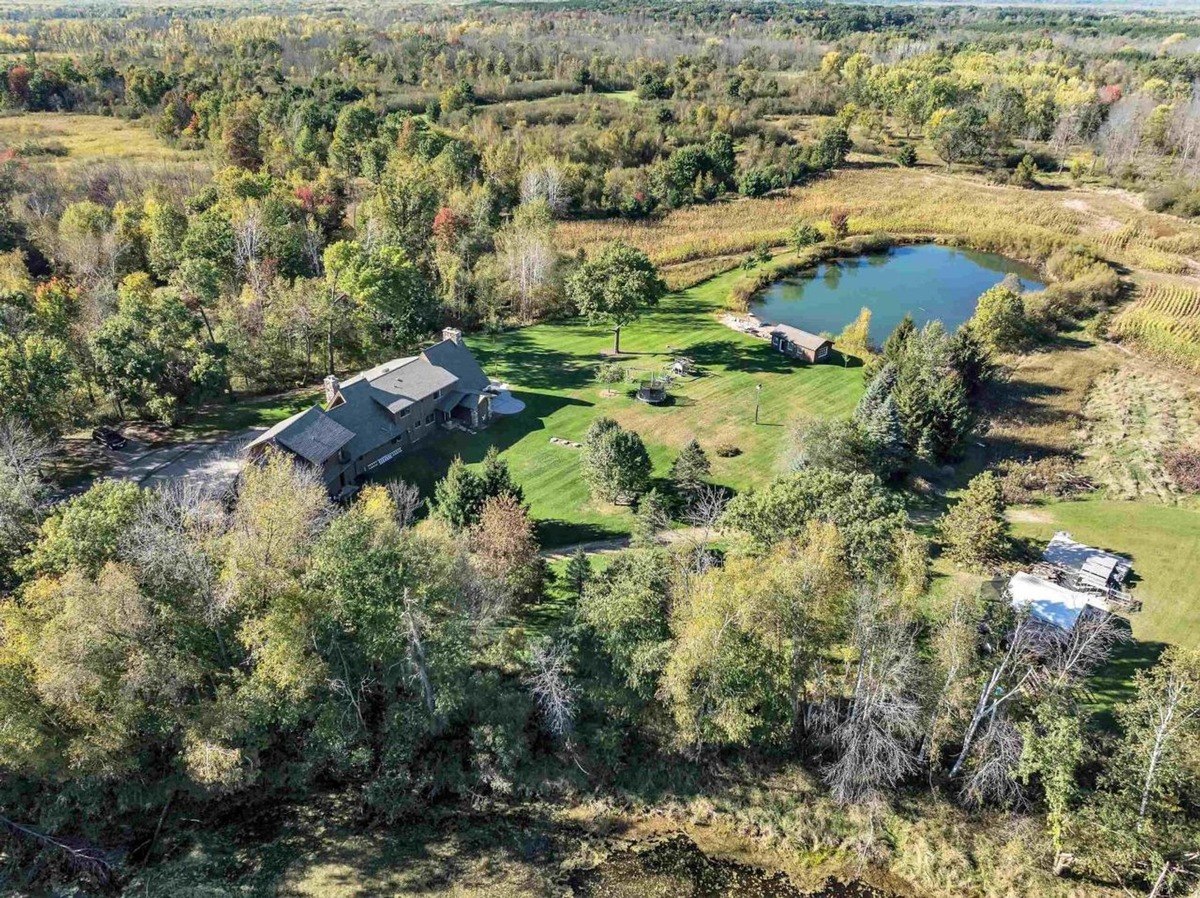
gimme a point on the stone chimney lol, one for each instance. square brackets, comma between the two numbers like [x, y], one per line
[452, 333]
[331, 389]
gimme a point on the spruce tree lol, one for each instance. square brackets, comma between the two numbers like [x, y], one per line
[579, 571]
[459, 495]
[690, 467]
[975, 531]
[497, 479]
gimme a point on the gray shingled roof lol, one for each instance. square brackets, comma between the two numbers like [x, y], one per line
[811, 342]
[457, 359]
[364, 419]
[311, 434]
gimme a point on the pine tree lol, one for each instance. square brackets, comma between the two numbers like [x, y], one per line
[878, 389]
[653, 515]
[579, 571]
[975, 531]
[897, 342]
[885, 436]
[459, 495]
[690, 467]
[497, 479]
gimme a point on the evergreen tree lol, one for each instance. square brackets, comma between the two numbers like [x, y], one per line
[497, 479]
[653, 515]
[579, 571]
[897, 341]
[975, 531]
[879, 388]
[459, 495]
[885, 436]
[690, 467]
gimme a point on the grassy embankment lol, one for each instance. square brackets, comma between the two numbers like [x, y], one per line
[551, 368]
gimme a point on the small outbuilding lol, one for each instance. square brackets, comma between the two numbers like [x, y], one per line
[1048, 602]
[799, 344]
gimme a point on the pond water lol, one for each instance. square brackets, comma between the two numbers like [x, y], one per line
[927, 281]
[677, 868]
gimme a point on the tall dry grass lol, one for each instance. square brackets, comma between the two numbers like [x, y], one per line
[1024, 224]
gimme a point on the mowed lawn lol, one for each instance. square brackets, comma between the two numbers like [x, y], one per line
[1164, 543]
[552, 367]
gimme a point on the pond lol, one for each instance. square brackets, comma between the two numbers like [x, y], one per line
[677, 868]
[929, 282]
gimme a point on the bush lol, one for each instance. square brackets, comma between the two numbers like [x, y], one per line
[610, 373]
[907, 157]
[1184, 467]
[1025, 174]
[804, 234]
[727, 450]
[756, 182]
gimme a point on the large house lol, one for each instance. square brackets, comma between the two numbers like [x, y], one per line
[376, 416]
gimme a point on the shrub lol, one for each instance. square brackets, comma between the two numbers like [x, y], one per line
[1025, 174]
[727, 450]
[907, 157]
[610, 373]
[975, 531]
[804, 234]
[1184, 467]
[839, 223]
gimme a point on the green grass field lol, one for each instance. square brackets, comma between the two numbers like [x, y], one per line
[551, 367]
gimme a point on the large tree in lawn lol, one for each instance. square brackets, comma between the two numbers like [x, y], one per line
[615, 287]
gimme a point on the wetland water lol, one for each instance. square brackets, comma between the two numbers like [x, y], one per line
[927, 281]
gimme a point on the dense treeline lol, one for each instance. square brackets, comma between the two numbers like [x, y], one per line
[365, 177]
[165, 654]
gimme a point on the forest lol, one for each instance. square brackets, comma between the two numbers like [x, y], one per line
[770, 615]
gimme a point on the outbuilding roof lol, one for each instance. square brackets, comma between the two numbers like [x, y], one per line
[1048, 602]
[1064, 552]
[803, 339]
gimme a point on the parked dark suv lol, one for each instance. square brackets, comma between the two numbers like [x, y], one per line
[106, 436]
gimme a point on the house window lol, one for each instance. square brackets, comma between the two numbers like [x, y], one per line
[404, 412]
[429, 420]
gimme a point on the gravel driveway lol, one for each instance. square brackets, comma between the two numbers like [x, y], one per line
[213, 462]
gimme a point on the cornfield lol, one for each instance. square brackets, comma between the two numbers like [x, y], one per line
[1164, 319]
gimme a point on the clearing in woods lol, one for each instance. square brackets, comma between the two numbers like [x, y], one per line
[552, 368]
[48, 138]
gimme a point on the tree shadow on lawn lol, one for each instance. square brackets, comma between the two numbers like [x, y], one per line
[427, 462]
[1114, 683]
[515, 356]
[748, 358]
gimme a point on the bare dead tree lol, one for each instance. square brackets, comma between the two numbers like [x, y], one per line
[415, 624]
[23, 455]
[549, 680]
[546, 182]
[249, 247]
[407, 499]
[166, 543]
[994, 756]
[874, 739]
[83, 856]
[705, 507]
